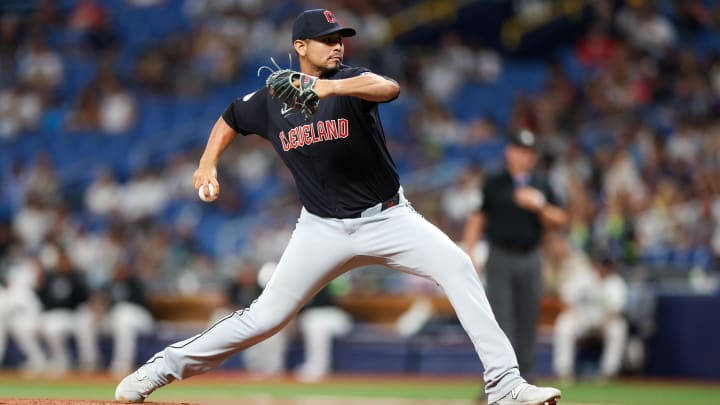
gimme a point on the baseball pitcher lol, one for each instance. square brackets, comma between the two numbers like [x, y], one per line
[324, 124]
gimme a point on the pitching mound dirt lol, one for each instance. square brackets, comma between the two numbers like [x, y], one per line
[244, 401]
[70, 402]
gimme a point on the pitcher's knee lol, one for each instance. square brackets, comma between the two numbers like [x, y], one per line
[460, 260]
[268, 322]
[456, 266]
[272, 310]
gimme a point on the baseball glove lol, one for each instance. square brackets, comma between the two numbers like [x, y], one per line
[293, 88]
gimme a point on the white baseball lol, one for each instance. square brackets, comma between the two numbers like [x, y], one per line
[210, 194]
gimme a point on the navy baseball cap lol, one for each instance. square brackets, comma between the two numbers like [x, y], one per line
[316, 23]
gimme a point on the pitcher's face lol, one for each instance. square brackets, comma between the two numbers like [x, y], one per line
[323, 55]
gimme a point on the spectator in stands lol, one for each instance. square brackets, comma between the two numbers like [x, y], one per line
[86, 15]
[252, 165]
[488, 64]
[102, 196]
[460, 199]
[177, 170]
[562, 97]
[596, 48]
[33, 223]
[614, 228]
[39, 66]
[143, 196]
[646, 27]
[86, 251]
[693, 17]
[443, 73]
[481, 131]
[595, 306]
[117, 112]
[91, 29]
[47, 17]
[20, 110]
[435, 124]
[43, 181]
[654, 224]
[14, 186]
[62, 291]
[150, 70]
[580, 209]
[120, 310]
[102, 39]
[569, 167]
[626, 81]
[683, 146]
[215, 57]
[84, 115]
[97, 253]
[562, 262]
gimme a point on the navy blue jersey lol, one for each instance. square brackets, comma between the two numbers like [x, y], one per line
[338, 156]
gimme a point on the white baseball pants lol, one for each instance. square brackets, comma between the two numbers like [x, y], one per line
[266, 358]
[319, 250]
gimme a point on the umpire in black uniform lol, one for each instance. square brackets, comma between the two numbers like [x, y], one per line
[518, 204]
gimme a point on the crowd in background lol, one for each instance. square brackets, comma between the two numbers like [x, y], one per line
[631, 143]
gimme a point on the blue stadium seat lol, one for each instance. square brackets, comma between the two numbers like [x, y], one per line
[437, 358]
[370, 356]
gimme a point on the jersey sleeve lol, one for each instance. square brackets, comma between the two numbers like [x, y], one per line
[353, 71]
[248, 114]
[359, 71]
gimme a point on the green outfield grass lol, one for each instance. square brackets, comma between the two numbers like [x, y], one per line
[221, 387]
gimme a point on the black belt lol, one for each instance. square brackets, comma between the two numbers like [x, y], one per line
[389, 203]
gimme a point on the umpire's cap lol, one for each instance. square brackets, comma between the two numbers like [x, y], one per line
[316, 23]
[524, 138]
